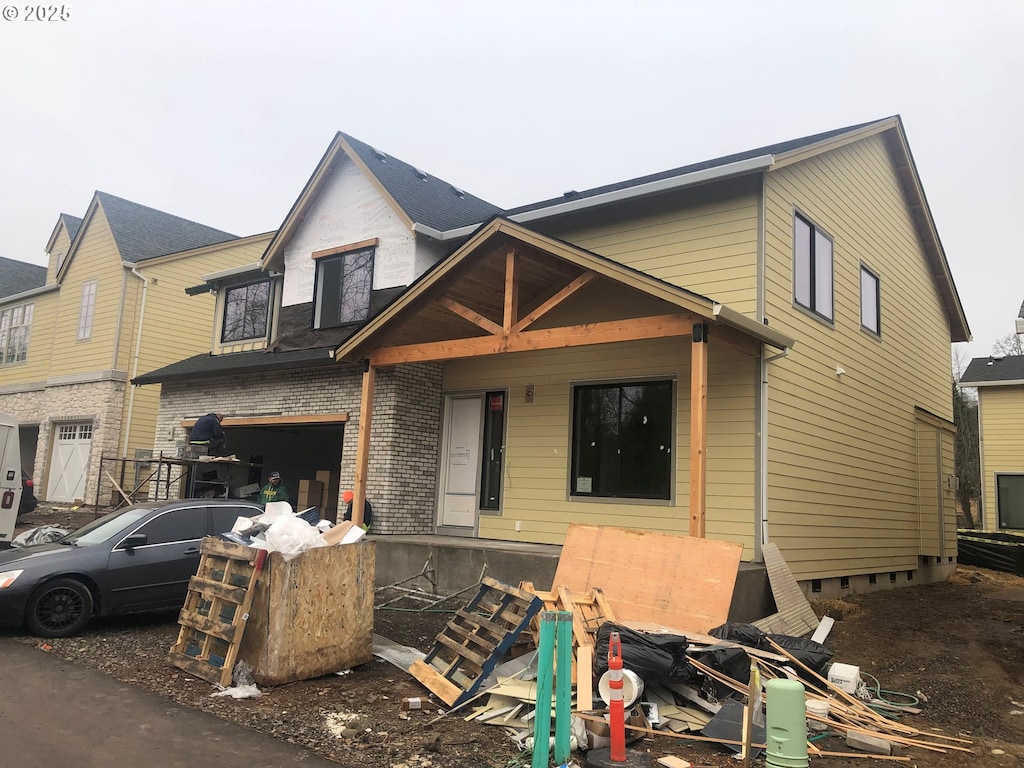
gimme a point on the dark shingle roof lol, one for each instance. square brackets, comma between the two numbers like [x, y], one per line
[144, 233]
[72, 224]
[771, 149]
[209, 366]
[425, 198]
[18, 276]
[996, 370]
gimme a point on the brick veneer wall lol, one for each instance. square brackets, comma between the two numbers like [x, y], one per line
[404, 438]
[99, 403]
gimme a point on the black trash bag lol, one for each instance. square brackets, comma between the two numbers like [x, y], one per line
[737, 632]
[733, 662]
[656, 658]
[814, 655]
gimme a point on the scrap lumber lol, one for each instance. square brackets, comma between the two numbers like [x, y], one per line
[795, 615]
[649, 576]
[474, 641]
[216, 610]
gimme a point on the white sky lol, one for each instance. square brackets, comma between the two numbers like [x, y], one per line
[219, 111]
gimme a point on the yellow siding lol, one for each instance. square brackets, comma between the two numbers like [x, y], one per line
[1002, 444]
[96, 258]
[704, 240]
[174, 326]
[61, 244]
[842, 488]
[36, 366]
[536, 470]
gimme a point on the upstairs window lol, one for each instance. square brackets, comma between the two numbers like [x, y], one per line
[87, 310]
[622, 440]
[812, 268]
[15, 323]
[246, 309]
[343, 284]
[870, 301]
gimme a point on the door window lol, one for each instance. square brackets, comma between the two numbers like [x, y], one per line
[1010, 499]
[494, 438]
[177, 525]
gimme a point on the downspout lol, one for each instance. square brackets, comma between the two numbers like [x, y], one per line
[761, 442]
[135, 359]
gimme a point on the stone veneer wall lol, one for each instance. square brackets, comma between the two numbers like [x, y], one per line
[98, 403]
[404, 439]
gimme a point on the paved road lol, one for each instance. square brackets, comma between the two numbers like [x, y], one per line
[53, 713]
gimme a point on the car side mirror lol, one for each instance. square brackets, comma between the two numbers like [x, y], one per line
[135, 540]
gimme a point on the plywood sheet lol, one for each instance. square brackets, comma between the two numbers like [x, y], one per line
[678, 581]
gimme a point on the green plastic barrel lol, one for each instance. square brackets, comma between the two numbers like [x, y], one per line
[786, 724]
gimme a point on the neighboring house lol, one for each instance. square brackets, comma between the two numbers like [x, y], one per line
[112, 304]
[752, 348]
[1000, 385]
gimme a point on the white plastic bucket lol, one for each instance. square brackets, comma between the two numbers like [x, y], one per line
[632, 688]
[820, 709]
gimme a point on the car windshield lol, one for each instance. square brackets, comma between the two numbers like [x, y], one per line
[106, 527]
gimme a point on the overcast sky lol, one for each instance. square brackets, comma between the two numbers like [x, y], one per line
[219, 111]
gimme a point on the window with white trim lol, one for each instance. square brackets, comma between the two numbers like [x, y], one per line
[343, 285]
[870, 301]
[87, 310]
[15, 324]
[622, 440]
[812, 268]
[246, 309]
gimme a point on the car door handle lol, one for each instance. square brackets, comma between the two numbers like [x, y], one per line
[193, 551]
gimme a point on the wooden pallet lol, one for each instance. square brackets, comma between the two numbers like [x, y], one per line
[589, 612]
[216, 610]
[475, 640]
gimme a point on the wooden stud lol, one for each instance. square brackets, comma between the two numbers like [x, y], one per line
[554, 301]
[698, 429]
[511, 291]
[363, 444]
[468, 314]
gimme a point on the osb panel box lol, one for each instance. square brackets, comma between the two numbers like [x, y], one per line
[311, 615]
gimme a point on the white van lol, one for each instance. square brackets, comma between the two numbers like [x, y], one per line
[10, 476]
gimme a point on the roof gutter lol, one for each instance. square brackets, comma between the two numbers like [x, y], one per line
[29, 293]
[752, 327]
[751, 165]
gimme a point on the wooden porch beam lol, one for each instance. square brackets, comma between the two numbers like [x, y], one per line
[554, 301]
[468, 314]
[363, 444]
[511, 290]
[660, 326]
[698, 428]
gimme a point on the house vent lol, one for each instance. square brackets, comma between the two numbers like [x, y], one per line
[420, 174]
[379, 155]
[570, 193]
[458, 192]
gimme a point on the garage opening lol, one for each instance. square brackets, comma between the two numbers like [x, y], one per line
[305, 450]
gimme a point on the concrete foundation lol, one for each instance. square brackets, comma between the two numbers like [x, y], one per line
[445, 564]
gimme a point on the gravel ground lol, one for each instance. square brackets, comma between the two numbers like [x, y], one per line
[961, 644]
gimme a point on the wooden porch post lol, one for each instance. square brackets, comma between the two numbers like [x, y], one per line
[363, 446]
[698, 428]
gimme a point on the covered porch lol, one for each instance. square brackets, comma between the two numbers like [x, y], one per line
[510, 301]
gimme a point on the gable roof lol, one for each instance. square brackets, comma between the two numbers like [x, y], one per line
[70, 223]
[19, 276]
[994, 371]
[417, 197]
[447, 271]
[144, 233]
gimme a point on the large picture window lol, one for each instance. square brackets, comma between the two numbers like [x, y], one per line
[246, 309]
[15, 324]
[812, 268]
[622, 440]
[343, 285]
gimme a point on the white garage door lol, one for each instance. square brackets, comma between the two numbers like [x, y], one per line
[69, 462]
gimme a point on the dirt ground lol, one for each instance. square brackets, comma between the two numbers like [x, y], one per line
[958, 647]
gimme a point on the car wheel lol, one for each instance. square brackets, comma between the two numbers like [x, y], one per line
[59, 608]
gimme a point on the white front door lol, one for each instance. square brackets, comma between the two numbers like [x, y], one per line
[69, 462]
[461, 461]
